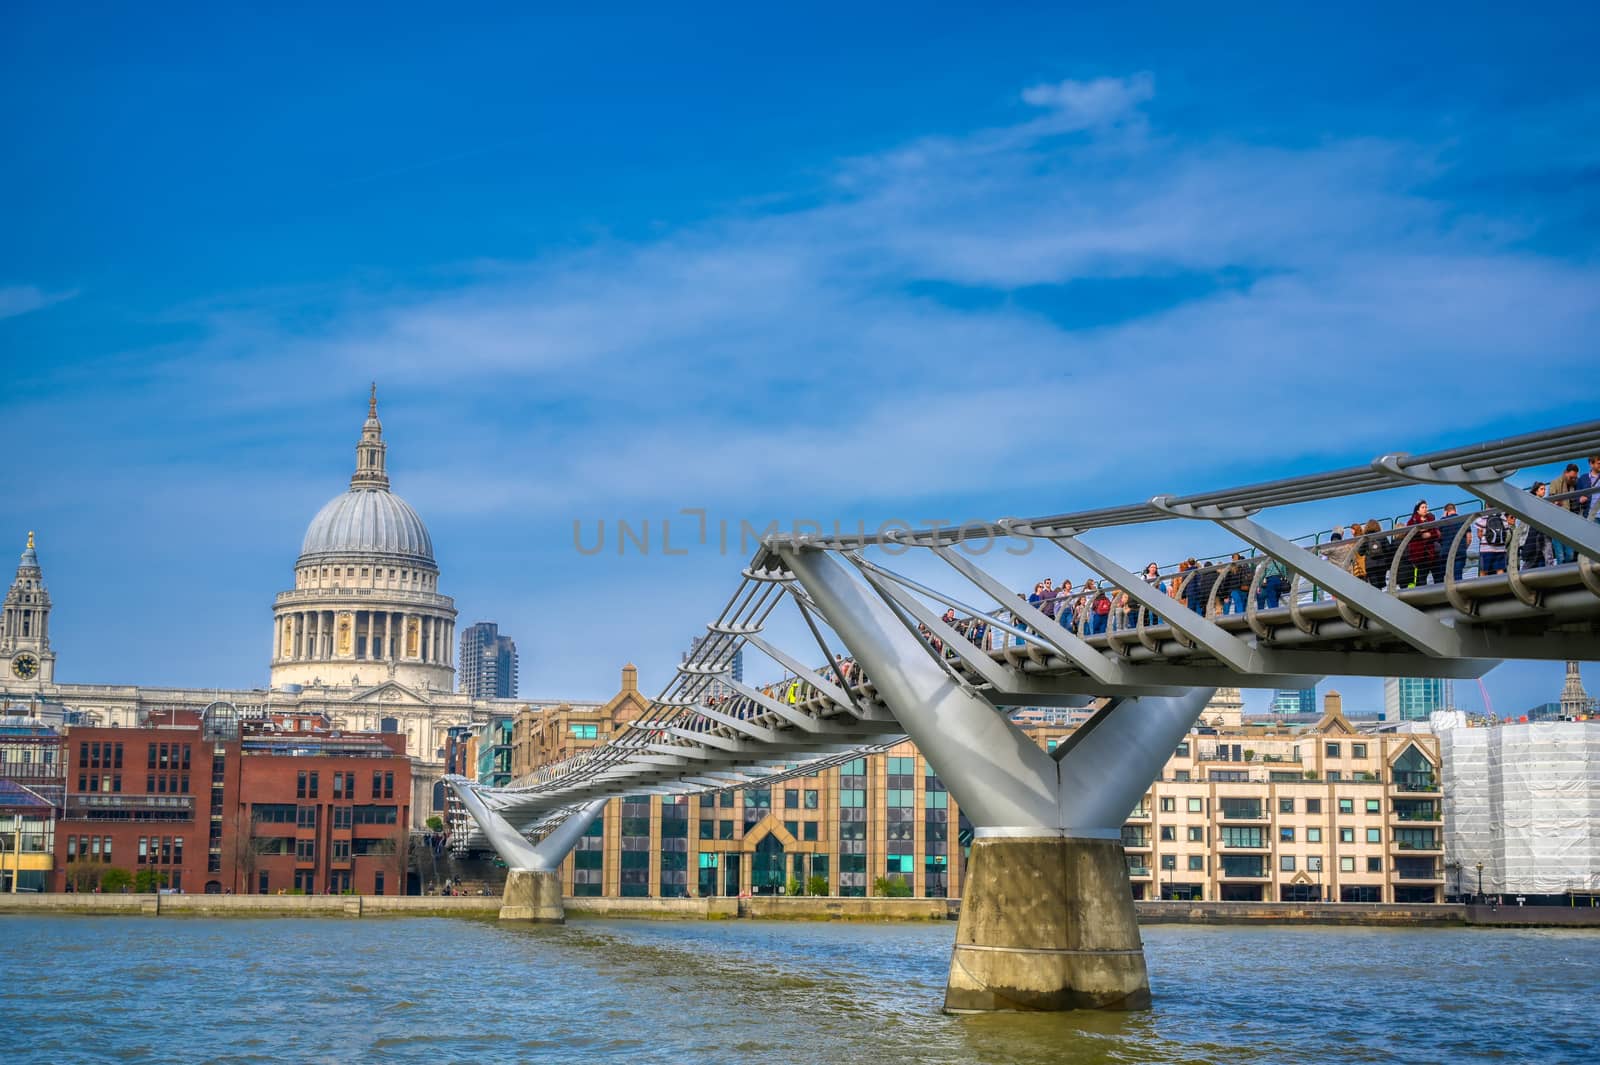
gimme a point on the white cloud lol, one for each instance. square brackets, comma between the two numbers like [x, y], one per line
[20, 299]
[1087, 104]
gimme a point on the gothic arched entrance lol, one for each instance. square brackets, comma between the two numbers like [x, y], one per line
[768, 875]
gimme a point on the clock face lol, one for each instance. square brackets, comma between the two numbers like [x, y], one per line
[25, 666]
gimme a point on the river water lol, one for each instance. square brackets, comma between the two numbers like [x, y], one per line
[88, 989]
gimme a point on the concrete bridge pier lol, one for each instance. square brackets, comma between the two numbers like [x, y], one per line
[533, 885]
[1047, 919]
[533, 895]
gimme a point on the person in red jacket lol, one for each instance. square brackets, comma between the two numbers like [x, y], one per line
[1423, 559]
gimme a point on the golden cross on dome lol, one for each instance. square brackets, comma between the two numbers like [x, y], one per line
[30, 539]
[372, 401]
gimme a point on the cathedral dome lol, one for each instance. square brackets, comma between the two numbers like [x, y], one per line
[366, 521]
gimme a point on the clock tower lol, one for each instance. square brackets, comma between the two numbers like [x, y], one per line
[25, 628]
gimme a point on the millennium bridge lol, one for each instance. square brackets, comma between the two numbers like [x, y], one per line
[1047, 918]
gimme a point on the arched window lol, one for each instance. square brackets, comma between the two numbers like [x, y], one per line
[438, 795]
[389, 724]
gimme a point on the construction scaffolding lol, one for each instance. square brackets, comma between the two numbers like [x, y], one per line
[1524, 800]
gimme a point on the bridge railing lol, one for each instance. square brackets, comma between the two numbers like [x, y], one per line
[698, 704]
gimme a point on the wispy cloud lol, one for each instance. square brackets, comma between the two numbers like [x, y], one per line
[800, 355]
[21, 299]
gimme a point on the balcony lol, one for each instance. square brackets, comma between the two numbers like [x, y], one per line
[1243, 867]
[1139, 872]
[1140, 814]
[1414, 784]
[1242, 810]
[1135, 841]
[1418, 870]
[1421, 846]
[1422, 814]
[120, 807]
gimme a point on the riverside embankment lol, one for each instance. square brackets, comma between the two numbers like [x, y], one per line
[804, 908]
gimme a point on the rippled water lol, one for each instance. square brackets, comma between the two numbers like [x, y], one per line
[173, 989]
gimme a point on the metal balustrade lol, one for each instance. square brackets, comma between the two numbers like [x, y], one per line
[1386, 602]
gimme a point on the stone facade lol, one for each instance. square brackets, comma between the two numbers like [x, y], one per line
[364, 637]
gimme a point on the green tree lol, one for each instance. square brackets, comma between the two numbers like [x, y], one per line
[148, 881]
[115, 880]
[892, 887]
[795, 887]
[817, 885]
[435, 823]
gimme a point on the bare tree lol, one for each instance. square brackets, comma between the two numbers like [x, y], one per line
[244, 851]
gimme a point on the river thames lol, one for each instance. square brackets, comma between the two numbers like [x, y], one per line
[148, 990]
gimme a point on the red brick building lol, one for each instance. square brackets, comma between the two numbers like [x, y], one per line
[218, 805]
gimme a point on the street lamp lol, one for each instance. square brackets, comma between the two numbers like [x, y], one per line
[1480, 881]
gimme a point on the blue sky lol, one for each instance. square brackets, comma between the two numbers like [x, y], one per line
[910, 262]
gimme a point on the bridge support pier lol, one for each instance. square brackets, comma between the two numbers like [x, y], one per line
[1047, 923]
[533, 895]
[1047, 917]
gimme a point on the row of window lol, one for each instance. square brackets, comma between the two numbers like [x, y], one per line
[306, 816]
[1251, 808]
[89, 848]
[100, 756]
[308, 783]
[160, 850]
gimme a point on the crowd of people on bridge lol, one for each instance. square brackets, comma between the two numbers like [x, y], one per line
[1411, 551]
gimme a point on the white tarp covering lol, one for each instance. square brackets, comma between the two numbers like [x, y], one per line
[1525, 801]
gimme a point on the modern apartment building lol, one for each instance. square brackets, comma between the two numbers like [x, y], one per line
[1243, 811]
[487, 668]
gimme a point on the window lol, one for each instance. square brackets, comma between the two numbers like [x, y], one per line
[305, 850]
[1335, 775]
[1285, 835]
[1168, 804]
[1197, 834]
[1314, 863]
[1347, 835]
[810, 832]
[1286, 863]
[1168, 834]
[1197, 806]
[791, 798]
[1347, 806]
[724, 829]
[1182, 751]
[1331, 750]
[1347, 865]
[811, 798]
[1358, 750]
[377, 877]
[300, 785]
[1374, 835]
[793, 828]
[306, 817]
[585, 732]
[1286, 806]
[374, 815]
[341, 816]
[1374, 865]
[1374, 806]
[1313, 806]
[1313, 835]
[341, 850]
[382, 785]
[1197, 863]
[1169, 861]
